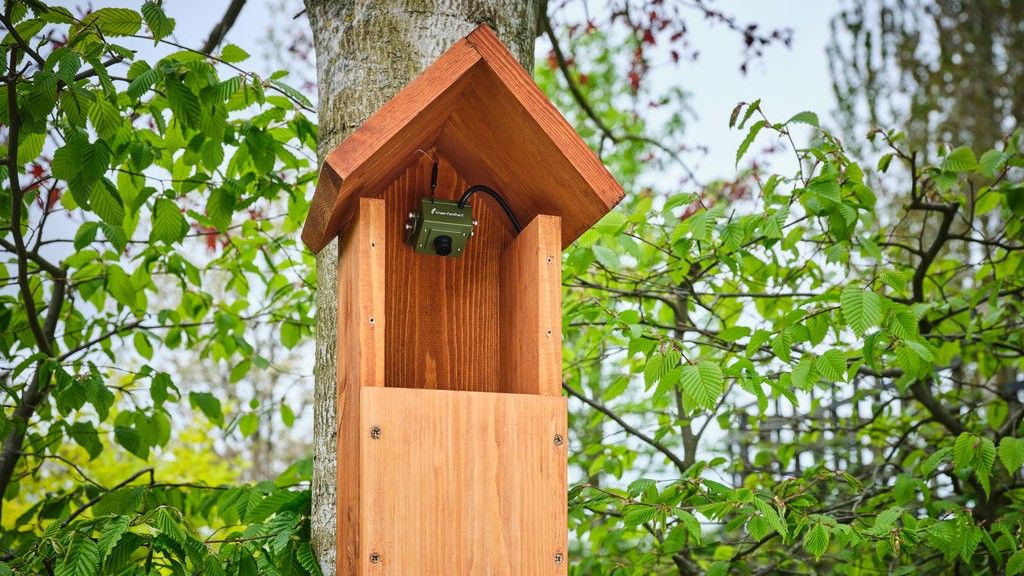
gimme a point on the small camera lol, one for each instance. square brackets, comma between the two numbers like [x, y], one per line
[440, 227]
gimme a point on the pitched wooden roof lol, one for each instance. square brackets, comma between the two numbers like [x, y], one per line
[479, 108]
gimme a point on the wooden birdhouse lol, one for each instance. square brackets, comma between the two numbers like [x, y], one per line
[451, 422]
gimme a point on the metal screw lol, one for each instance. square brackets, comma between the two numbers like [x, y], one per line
[375, 432]
[374, 558]
[559, 440]
[559, 557]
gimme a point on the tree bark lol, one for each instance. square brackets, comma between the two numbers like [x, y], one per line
[366, 51]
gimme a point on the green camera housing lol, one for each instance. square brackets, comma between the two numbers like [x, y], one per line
[440, 227]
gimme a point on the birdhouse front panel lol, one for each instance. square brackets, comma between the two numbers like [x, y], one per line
[461, 482]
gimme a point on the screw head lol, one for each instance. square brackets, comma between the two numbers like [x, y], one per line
[559, 557]
[559, 439]
[374, 558]
[375, 432]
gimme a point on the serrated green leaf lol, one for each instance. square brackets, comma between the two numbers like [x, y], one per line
[816, 540]
[233, 54]
[639, 486]
[220, 207]
[169, 226]
[104, 117]
[963, 450]
[304, 554]
[183, 102]
[754, 129]
[960, 160]
[802, 374]
[1011, 454]
[772, 516]
[809, 118]
[82, 559]
[703, 383]
[114, 21]
[1015, 565]
[119, 285]
[638, 514]
[111, 534]
[158, 22]
[861, 308]
[831, 365]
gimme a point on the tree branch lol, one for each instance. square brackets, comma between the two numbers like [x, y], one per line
[627, 427]
[221, 29]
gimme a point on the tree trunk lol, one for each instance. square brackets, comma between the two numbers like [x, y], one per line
[366, 51]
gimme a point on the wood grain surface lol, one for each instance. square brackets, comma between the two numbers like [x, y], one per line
[463, 483]
[531, 310]
[360, 360]
[478, 106]
[442, 313]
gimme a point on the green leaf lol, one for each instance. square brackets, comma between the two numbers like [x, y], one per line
[691, 523]
[104, 117]
[248, 424]
[119, 285]
[754, 107]
[169, 225]
[184, 103]
[292, 92]
[158, 22]
[960, 160]
[704, 383]
[220, 206]
[1015, 565]
[287, 415]
[86, 234]
[772, 516]
[106, 203]
[85, 435]
[82, 559]
[801, 376]
[112, 533]
[831, 365]
[607, 257]
[304, 554]
[639, 486]
[885, 521]
[757, 126]
[638, 514]
[114, 21]
[142, 83]
[289, 334]
[809, 118]
[142, 345]
[1011, 453]
[209, 405]
[816, 540]
[884, 161]
[239, 370]
[232, 54]
[861, 308]
[963, 450]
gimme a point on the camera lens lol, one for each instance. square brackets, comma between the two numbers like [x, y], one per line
[443, 245]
